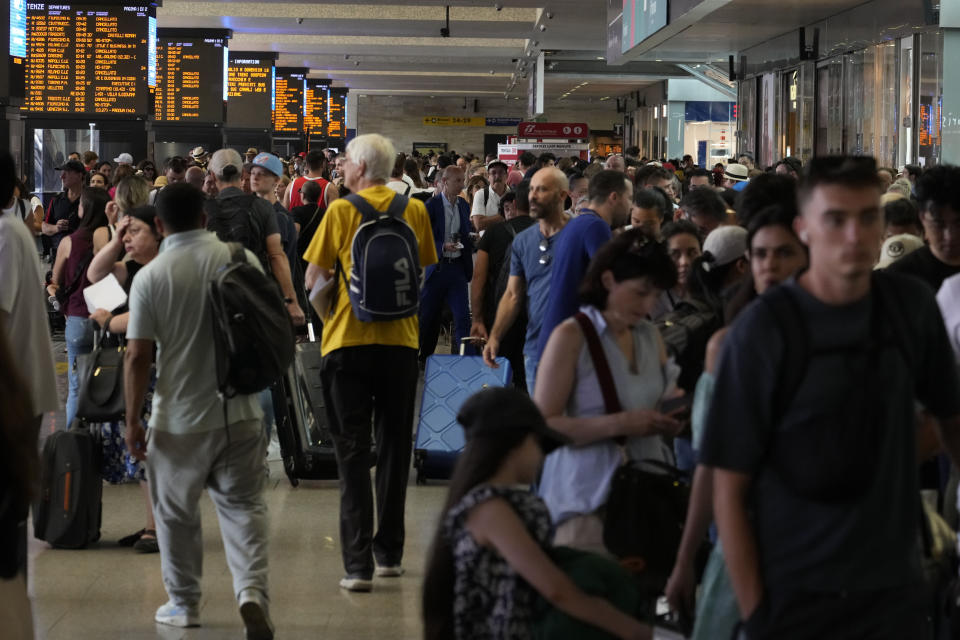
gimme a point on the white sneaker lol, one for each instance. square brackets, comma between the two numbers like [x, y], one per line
[392, 571]
[256, 619]
[176, 615]
[351, 583]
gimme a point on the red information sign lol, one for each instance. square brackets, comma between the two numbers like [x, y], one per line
[565, 130]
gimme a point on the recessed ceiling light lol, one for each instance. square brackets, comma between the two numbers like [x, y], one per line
[600, 58]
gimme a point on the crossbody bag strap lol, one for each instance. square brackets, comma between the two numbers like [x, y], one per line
[611, 401]
[607, 387]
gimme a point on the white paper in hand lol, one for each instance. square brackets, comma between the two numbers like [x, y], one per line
[106, 294]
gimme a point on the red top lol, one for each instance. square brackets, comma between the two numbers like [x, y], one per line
[296, 200]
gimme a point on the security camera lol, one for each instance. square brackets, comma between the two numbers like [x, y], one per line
[491, 71]
[299, 20]
[549, 16]
[444, 32]
[498, 6]
[346, 56]
[543, 27]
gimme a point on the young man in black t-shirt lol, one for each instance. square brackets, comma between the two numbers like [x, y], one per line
[938, 192]
[815, 486]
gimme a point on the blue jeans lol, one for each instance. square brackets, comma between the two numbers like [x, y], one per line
[79, 337]
[530, 365]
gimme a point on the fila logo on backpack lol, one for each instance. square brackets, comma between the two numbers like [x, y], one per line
[384, 280]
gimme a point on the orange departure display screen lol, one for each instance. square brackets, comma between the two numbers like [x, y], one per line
[190, 80]
[337, 114]
[89, 59]
[288, 111]
[249, 91]
[315, 113]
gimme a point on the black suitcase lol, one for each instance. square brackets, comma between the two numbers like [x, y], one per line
[306, 445]
[68, 510]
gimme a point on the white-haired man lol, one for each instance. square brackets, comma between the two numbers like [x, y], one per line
[369, 372]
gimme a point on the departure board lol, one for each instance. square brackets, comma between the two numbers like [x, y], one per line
[337, 113]
[89, 58]
[315, 111]
[250, 87]
[288, 109]
[191, 82]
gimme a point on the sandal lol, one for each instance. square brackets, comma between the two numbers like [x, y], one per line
[130, 540]
[147, 542]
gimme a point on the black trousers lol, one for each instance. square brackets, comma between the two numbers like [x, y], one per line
[884, 614]
[363, 387]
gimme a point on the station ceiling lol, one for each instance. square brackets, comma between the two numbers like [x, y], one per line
[395, 47]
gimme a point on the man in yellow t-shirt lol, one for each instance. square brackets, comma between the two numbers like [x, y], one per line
[369, 374]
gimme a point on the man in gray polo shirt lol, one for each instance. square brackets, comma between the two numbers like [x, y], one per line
[189, 446]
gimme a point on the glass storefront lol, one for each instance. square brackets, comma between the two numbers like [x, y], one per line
[884, 101]
[929, 98]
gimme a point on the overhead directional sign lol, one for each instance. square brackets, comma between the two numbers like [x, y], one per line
[565, 130]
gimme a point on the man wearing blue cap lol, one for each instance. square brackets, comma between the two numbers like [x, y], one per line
[264, 178]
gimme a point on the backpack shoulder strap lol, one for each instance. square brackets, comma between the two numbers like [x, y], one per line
[407, 191]
[601, 366]
[397, 206]
[367, 211]
[888, 308]
[237, 253]
[796, 346]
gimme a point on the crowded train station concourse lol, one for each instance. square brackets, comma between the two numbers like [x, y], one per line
[476, 320]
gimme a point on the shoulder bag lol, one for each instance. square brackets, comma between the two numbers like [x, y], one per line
[646, 509]
[101, 381]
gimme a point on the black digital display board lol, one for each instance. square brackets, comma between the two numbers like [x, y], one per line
[315, 108]
[290, 85]
[191, 75]
[250, 89]
[337, 113]
[90, 59]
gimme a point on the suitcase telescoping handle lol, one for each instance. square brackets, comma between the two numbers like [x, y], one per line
[478, 342]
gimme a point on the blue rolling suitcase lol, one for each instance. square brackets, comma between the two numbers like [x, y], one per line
[448, 380]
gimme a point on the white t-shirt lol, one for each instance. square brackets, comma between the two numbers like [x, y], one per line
[489, 208]
[22, 300]
[949, 300]
[400, 186]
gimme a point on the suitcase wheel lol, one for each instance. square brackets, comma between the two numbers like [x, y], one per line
[418, 459]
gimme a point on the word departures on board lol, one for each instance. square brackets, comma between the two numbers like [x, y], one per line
[250, 89]
[90, 59]
[289, 105]
[191, 75]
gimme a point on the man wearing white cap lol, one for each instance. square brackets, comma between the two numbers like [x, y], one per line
[124, 158]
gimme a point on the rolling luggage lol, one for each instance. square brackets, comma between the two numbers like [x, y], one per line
[448, 380]
[306, 445]
[68, 509]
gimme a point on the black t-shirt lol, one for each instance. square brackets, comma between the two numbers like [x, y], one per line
[805, 544]
[924, 265]
[308, 216]
[62, 208]
[496, 242]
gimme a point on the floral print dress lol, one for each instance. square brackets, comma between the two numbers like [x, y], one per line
[491, 601]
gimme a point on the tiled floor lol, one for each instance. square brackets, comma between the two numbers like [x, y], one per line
[111, 592]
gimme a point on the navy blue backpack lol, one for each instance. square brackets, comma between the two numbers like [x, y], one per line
[384, 281]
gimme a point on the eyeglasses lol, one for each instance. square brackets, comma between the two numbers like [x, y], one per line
[544, 247]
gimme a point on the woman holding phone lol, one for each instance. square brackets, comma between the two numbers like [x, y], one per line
[622, 284]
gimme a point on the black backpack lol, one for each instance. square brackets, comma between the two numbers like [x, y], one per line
[252, 332]
[686, 331]
[232, 220]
